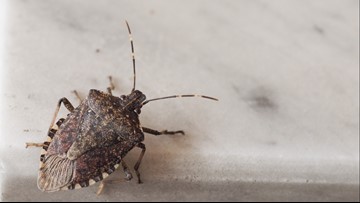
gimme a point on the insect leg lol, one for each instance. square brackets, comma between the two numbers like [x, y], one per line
[112, 86]
[51, 134]
[136, 167]
[101, 188]
[127, 178]
[164, 132]
[32, 144]
[52, 130]
[67, 105]
[126, 171]
[77, 95]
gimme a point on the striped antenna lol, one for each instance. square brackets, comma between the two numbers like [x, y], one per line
[178, 96]
[132, 54]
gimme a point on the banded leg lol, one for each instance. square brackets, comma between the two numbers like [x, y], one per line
[67, 105]
[51, 134]
[112, 86]
[136, 167]
[52, 131]
[164, 132]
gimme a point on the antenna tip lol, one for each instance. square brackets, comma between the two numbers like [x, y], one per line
[128, 26]
[212, 98]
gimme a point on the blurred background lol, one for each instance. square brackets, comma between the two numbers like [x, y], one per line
[286, 73]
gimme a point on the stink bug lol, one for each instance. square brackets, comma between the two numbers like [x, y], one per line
[91, 142]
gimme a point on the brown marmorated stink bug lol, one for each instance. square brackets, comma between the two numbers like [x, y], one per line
[91, 142]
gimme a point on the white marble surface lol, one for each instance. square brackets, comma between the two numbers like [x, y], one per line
[286, 73]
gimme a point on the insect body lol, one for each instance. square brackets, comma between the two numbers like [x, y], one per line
[94, 138]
